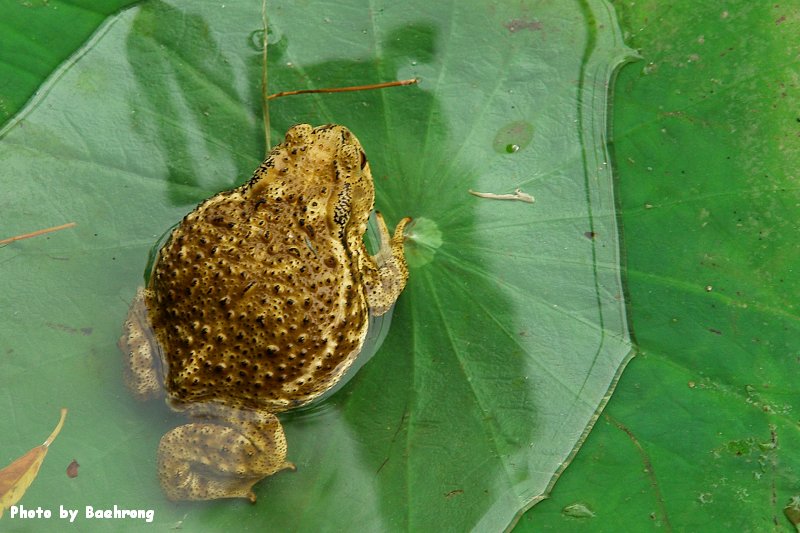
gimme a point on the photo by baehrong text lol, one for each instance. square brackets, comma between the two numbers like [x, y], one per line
[65, 513]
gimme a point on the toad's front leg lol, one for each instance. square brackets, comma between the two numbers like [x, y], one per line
[388, 274]
[206, 460]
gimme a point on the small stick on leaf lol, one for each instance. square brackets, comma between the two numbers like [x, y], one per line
[18, 476]
[37, 233]
[398, 83]
[518, 195]
[264, 97]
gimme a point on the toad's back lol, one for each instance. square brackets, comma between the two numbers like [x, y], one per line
[254, 299]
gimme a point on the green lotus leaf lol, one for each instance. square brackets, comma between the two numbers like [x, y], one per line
[512, 330]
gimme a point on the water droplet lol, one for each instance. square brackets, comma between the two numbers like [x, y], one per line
[513, 137]
[256, 38]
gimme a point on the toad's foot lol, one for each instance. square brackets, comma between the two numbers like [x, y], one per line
[388, 281]
[206, 461]
[138, 341]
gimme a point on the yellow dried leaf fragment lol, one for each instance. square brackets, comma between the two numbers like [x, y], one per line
[18, 476]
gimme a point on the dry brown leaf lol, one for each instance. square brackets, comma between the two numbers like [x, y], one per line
[72, 469]
[18, 476]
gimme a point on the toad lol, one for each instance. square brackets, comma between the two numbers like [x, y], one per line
[258, 303]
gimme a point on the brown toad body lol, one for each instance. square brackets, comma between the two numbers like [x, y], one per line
[259, 302]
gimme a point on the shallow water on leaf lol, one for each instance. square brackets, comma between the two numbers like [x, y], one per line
[512, 328]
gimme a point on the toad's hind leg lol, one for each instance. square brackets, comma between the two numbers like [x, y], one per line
[139, 343]
[385, 284]
[206, 461]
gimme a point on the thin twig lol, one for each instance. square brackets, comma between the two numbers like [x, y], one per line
[518, 195]
[264, 97]
[37, 233]
[398, 83]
